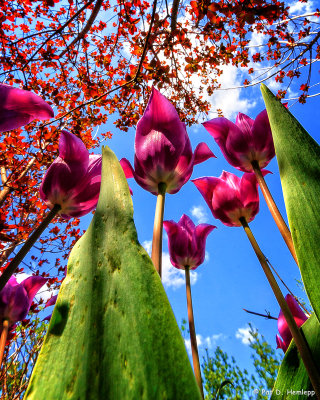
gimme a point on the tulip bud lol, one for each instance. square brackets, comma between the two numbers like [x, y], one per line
[187, 242]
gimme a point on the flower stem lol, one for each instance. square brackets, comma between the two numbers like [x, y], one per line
[9, 271]
[282, 226]
[156, 254]
[3, 338]
[193, 338]
[299, 339]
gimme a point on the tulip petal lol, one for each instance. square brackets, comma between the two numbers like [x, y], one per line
[72, 149]
[299, 316]
[283, 328]
[220, 129]
[160, 135]
[51, 302]
[245, 123]
[84, 197]
[206, 187]
[18, 305]
[280, 344]
[19, 107]
[202, 231]
[249, 189]
[183, 170]
[170, 227]
[32, 285]
[202, 153]
[261, 134]
[127, 168]
[186, 223]
[59, 179]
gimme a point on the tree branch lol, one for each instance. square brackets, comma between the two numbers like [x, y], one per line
[133, 80]
[85, 30]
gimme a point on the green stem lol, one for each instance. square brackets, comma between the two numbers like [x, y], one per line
[3, 338]
[300, 341]
[9, 271]
[193, 337]
[282, 226]
[156, 254]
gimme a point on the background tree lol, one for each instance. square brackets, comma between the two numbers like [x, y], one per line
[220, 368]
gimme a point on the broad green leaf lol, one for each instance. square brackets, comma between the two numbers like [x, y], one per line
[293, 381]
[113, 335]
[298, 157]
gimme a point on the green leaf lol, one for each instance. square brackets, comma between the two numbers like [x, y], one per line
[113, 334]
[298, 157]
[292, 376]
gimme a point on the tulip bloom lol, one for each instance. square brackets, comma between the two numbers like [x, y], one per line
[19, 107]
[187, 242]
[163, 152]
[229, 197]
[248, 146]
[245, 141]
[16, 298]
[73, 180]
[187, 251]
[298, 315]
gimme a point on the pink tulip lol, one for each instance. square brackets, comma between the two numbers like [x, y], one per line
[298, 315]
[163, 152]
[187, 242]
[245, 141]
[19, 107]
[16, 298]
[229, 197]
[73, 180]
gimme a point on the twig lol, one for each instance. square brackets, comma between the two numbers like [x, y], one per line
[86, 28]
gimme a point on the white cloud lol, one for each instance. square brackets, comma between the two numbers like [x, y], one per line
[298, 7]
[204, 342]
[244, 335]
[147, 244]
[200, 214]
[171, 276]
[230, 101]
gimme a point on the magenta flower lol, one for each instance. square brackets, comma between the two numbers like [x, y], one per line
[229, 197]
[163, 152]
[187, 242]
[19, 107]
[16, 298]
[298, 315]
[73, 180]
[245, 141]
